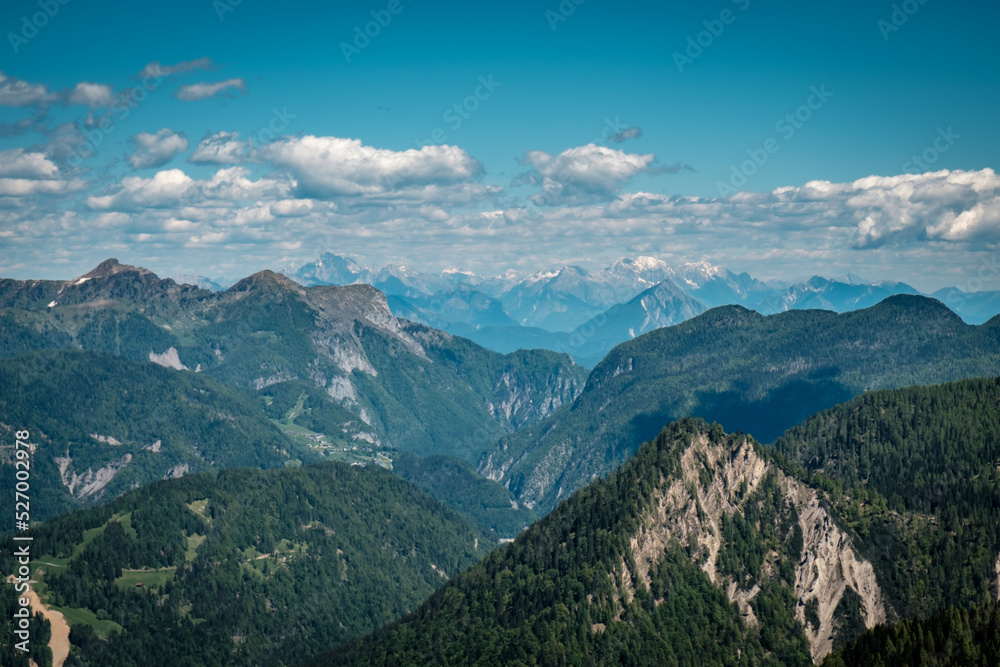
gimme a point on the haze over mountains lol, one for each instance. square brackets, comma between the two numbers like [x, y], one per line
[587, 313]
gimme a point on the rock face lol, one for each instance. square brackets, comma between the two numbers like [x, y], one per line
[717, 481]
[89, 485]
[829, 566]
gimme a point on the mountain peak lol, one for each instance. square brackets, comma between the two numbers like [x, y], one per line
[112, 266]
[267, 280]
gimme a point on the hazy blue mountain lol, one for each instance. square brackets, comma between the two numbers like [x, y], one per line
[662, 305]
[974, 307]
[824, 294]
[550, 309]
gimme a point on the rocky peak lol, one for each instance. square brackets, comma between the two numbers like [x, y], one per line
[111, 267]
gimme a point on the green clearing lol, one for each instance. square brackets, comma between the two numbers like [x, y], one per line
[193, 542]
[148, 578]
[200, 507]
[75, 616]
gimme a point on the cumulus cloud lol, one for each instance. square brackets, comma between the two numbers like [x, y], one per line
[22, 187]
[936, 206]
[155, 150]
[24, 173]
[205, 90]
[18, 163]
[15, 92]
[92, 95]
[329, 167]
[581, 174]
[172, 188]
[292, 208]
[905, 210]
[221, 148]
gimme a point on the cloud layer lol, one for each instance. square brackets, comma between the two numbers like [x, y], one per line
[155, 150]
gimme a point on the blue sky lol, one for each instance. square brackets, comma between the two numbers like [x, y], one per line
[739, 132]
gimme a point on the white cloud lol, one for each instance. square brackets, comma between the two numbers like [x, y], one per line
[17, 93]
[172, 188]
[18, 163]
[92, 95]
[21, 187]
[220, 148]
[292, 208]
[330, 167]
[205, 90]
[155, 150]
[585, 173]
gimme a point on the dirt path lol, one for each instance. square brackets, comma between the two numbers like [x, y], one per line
[59, 643]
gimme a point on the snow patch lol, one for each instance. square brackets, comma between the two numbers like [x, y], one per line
[52, 305]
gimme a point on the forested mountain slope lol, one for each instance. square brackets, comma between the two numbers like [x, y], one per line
[707, 548]
[407, 386]
[102, 425]
[954, 638]
[246, 568]
[915, 473]
[749, 372]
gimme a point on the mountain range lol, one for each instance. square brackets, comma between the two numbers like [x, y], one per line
[585, 314]
[402, 384]
[754, 373]
[701, 545]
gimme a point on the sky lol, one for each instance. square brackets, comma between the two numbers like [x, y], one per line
[223, 137]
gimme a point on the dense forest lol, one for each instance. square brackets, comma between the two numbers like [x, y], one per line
[915, 474]
[460, 488]
[247, 567]
[957, 637]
